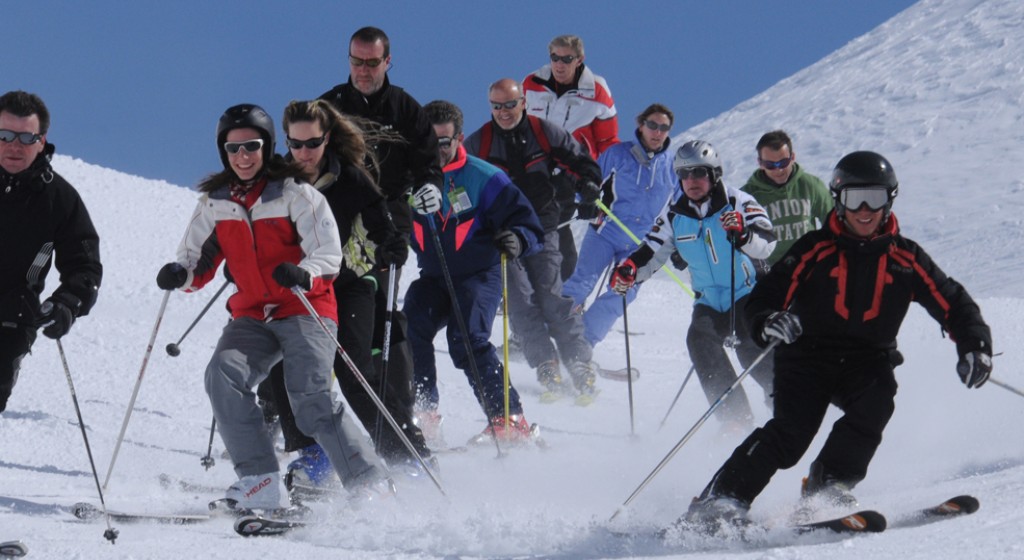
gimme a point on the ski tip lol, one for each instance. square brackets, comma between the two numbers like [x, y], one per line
[961, 505]
[871, 521]
[13, 549]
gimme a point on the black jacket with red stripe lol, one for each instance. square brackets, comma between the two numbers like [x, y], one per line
[852, 294]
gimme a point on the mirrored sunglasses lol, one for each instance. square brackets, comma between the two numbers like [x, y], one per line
[781, 164]
[566, 59]
[656, 126]
[371, 62]
[250, 146]
[694, 172]
[445, 142]
[497, 106]
[310, 144]
[26, 138]
[853, 198]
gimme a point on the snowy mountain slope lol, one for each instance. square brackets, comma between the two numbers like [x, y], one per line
[943, 440]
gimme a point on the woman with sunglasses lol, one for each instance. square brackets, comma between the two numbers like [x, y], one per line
[722, 235]
[332, 151]
[833, 306]
[638, 182]
[277, 233]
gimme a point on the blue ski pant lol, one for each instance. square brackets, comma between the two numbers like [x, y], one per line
[597, 253]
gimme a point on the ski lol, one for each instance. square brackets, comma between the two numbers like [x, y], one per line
[88, 512]
[168, 481]
[260, 526]
[957, 506]
[482, 440]
[619, 374]
[867, 521]
[13, 549]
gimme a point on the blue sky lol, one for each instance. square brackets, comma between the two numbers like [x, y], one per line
[138, 86]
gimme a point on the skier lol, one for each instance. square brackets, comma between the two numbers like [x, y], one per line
[481, 215]
[531, 150]
[643, 182]
[569, 95]
[797, 202]
[721, 234]
[407, 164]
[332, 150]
[39, 213]
[846, 289]
[276, 233]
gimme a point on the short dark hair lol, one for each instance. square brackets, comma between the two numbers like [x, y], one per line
[655, 108]
[774, 140]
[371, 34]
[440, 112]
[23, 104]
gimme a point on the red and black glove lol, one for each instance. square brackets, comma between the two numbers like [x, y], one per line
[623, 278]
[735, 229]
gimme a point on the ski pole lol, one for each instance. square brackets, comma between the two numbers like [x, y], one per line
[138, 383]
[457, 311]
[386, 349]
[207, 461]
[369, 390]
[111, 533]
[173, 348]
[629, 366]
[504, 330]
[694, 429]
[1009, 388]
[679, 392]
[732, 341]
[668, 270]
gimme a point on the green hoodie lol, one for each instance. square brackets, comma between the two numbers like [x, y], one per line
[798, 207]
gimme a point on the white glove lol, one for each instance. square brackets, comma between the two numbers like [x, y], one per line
[427, 199]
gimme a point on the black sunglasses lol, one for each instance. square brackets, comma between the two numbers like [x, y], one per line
[311, 144]
[250, 146]
[695, 172]
[26, 138]
[497, 105]
[371, 62]
[567, 59]
[655, 126]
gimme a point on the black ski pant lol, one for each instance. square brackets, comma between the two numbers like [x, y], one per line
[704, 341]
[570, 255]
[15, 344]
[807, 379]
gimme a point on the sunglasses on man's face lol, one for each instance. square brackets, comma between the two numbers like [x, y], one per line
[692, 172]
[26, 138]
[445, 142]
[781, 164]
[497, 105]
[565, 59]
[310, 144]
[250, 146]
[371, 62]
[657, 126]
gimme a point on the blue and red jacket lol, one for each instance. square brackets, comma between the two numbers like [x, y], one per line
[478, 202]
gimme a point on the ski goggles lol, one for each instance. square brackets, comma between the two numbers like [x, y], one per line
[250, 146]
[497, 105]
[694, 172]
[769, 164]
[565, 59]
[310, 144]
[26, 138]
[854, 198]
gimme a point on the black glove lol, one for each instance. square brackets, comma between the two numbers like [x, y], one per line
[508, 242]
[289, 275]
[227, 273]
[782, 326]
[171, 276]
[394, 251]
[587, 211]
[623, 278]
[974, 368]
[589, 192]
[677, 261]
[55, 318]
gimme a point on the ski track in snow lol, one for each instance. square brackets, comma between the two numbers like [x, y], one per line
[937, 89]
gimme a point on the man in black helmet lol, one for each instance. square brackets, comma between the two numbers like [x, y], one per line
[834, 305]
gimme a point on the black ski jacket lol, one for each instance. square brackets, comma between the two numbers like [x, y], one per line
[40, 213]
[852, 294]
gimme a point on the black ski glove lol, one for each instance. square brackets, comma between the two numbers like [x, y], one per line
[394, 251]
[782, 326]
[55, 318]
[289, 275]
[589, 192]
[678, 262]
[974, 368]
[171, 276]
[508, 242]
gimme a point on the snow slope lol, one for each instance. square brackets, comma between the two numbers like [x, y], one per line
[938, 89]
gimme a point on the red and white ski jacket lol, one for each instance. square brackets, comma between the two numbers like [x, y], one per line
[290, 221]
[587, 112]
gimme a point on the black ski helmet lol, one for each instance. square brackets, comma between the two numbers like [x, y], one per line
[864, 169]
[246, 115]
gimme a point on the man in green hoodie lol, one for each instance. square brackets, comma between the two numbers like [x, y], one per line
[797, 202]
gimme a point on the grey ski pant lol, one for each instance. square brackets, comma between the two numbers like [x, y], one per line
[245, 353]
